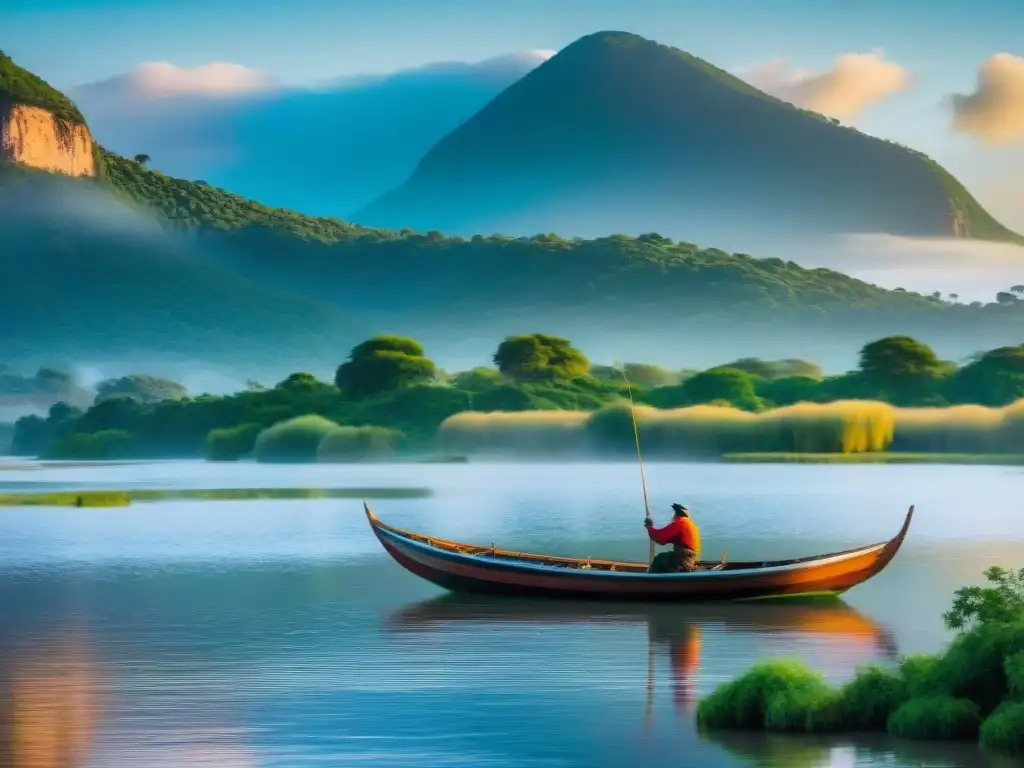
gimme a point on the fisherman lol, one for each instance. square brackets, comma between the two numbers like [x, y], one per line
[682, 533]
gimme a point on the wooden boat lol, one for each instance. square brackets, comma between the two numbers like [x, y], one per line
[478, 569]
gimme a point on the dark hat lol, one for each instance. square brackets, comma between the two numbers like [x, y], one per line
[679, 509]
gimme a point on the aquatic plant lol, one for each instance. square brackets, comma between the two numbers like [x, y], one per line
[520, 432]
[843, 426]
[974, 689]
[781, 695]
[1003, 730]
[938, 716]
[293, 440]
[868, 700]
[349, 443]
[961, 428]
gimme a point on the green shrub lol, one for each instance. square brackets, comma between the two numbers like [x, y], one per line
[232, 443]
[809, 708]
[294, 440]
[93, 446]
[937, 716]
[974, 665]
[920, 674]
[870, 698]
[1014, 668]
[353, 443]
[1003, 730]
[779, 694]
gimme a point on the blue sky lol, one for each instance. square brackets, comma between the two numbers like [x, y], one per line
[76, 41]
[941, 42]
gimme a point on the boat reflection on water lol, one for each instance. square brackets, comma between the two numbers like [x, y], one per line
[673, 628]
[49, 703]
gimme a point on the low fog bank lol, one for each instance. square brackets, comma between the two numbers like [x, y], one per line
[971, 270]
[89, 280]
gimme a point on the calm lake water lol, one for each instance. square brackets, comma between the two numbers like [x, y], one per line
[277, 633]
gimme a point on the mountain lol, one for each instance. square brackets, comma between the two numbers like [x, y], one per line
[619, 297]
[326, 149]
[617, 133]
[140, 266]
[88, 279]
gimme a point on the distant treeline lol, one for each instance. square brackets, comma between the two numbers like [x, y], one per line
[543, 393]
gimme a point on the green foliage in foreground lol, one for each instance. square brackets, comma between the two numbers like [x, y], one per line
[975, 689]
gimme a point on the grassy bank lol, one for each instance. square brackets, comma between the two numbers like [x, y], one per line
[992, 459]
[974, 690]
[123, 498]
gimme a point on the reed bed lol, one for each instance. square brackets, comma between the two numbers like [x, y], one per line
[518, 433]
[841, 428]
[960, 429]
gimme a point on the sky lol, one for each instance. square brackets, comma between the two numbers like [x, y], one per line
[938, 46]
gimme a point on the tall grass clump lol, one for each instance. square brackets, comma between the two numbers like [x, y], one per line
[524, 433]
[294, 440]
[780, 695]
[698, 430]
[357, 443]
[231, 443]
[1012, 427]
[958, 429]
[843, 426]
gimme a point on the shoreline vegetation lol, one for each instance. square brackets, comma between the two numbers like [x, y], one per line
[544, 399]
[972, 691]
[124, 498]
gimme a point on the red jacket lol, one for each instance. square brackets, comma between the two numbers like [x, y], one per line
[682, 531]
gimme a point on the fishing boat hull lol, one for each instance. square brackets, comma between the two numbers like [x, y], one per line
[473, 569]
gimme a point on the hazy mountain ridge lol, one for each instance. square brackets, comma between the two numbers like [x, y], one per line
[192, 271]
[620, 134]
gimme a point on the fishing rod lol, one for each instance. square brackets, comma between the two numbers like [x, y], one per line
[636, 437]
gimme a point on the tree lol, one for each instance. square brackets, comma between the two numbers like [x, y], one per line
[1006, 298]
[1001, 602]
[384, 364]
[994, 378]
[901, 367]
[142, 388]
[775, 369]
[142, 159]
[954, 297]
[1018, 289]
[731, 384]
[540, 357]
[645, 375]
[476, 380]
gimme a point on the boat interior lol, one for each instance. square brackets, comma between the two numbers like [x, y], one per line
[592, 564]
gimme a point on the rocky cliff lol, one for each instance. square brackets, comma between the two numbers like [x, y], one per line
[35, 137]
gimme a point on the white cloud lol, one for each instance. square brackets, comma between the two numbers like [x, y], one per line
[973, 269]
[160, 79]
[855, 82]
[995, 111]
